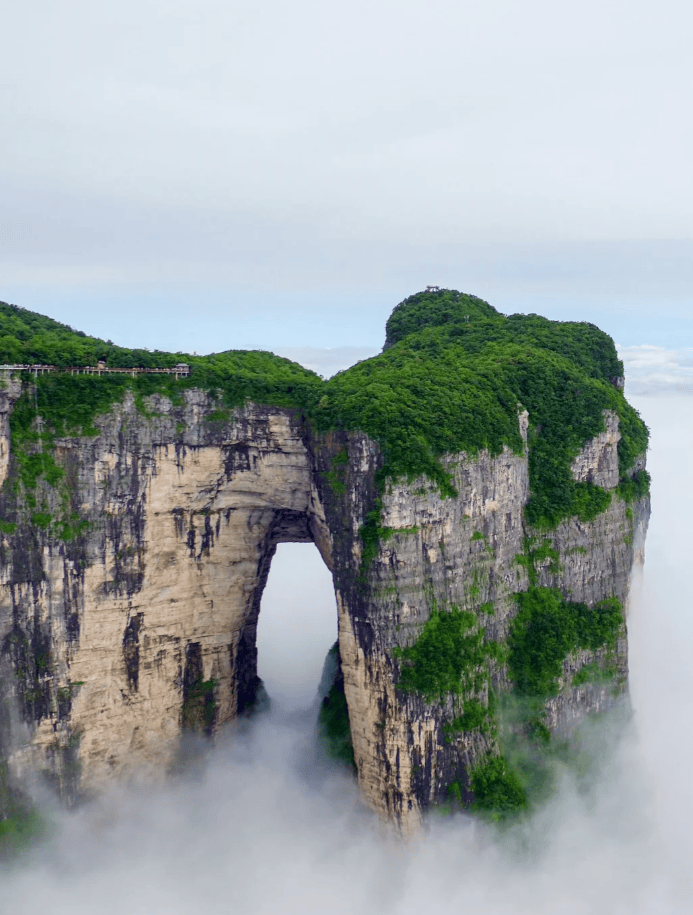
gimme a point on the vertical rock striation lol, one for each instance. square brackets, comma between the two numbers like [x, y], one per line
[463, 553]
[151, 611]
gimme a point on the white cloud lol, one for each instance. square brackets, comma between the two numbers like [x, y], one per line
[657, 369]
[326, 360]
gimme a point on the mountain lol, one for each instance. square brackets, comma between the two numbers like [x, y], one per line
[478, 491]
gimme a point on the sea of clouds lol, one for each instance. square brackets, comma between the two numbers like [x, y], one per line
[267, 826]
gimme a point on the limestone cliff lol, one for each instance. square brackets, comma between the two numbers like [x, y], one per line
[149, 614]
[134, 554]
[463, 553]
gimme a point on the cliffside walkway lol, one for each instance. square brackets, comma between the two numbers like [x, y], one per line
[181, 370]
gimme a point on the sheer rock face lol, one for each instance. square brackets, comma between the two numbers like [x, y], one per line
[146, 621]
[402, 753]
[598, 461]
[161, 594]
[463, 552]
[9, 392]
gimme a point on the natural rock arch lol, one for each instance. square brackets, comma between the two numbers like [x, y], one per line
[191, 562]
[151, 616]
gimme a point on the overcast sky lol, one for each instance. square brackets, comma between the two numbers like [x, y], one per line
[206, 175]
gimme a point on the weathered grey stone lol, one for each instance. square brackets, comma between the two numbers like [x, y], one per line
[598, 461]
[10, 389]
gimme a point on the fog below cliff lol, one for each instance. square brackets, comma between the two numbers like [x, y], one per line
[269, 827]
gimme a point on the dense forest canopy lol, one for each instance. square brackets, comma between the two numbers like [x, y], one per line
[27, 337]
[452, 376]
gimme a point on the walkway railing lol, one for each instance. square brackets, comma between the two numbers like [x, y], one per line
[182, 370]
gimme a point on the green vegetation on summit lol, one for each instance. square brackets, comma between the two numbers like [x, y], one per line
[27, 337]
[452, 376]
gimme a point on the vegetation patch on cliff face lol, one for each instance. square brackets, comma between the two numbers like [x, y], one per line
[498, 792]
[475, 715]
[373, 533]
[199, 707]
[497, 789]
[20, 830]
[449, 656]
[630, 489]
[20, 823]
[533, 554]
[547, 628]
[333, 718]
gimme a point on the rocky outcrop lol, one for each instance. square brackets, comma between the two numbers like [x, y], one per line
[597, 462]
[143, 620]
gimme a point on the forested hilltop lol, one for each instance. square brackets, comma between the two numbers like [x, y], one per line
[451, 378]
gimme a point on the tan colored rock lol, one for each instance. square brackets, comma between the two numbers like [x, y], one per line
[183, 538]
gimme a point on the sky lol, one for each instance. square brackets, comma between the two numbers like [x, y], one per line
[204, 175]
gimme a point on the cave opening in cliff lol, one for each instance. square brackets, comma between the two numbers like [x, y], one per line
[297, 625]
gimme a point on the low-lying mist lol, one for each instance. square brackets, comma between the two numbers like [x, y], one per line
[269, 826]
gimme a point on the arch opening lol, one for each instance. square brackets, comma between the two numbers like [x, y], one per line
[297, 625]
